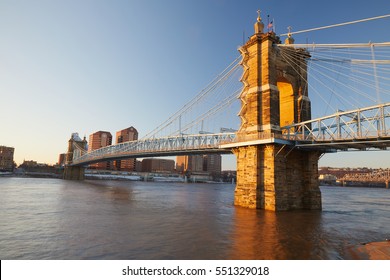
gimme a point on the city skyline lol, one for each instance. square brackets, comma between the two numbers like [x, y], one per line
[76, 66]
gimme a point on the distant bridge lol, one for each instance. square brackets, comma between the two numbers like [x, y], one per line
[377, 176]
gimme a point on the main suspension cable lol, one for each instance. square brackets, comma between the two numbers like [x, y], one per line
[336, 25]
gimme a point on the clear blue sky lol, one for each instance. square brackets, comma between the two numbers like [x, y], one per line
[83, 66]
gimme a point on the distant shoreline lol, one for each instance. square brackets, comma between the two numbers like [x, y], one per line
[31, 175]
[160, 178]
[356, 185]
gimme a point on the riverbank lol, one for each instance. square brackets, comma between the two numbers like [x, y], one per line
[31, 175]
[371, 251]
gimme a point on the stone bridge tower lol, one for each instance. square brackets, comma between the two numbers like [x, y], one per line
[271, 174]
[75, 145]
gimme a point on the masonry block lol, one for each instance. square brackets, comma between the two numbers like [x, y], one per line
[272, 176]
[74, 173]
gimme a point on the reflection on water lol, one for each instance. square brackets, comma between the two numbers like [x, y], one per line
[283, 235]
[56, 219]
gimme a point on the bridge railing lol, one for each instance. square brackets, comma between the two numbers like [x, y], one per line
[366, 123]
[170, 144]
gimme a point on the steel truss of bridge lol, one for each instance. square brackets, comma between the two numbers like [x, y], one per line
[166, 146]
[380, 175]
[361, 129]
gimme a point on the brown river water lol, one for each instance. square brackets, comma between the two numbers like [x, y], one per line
[57, 219]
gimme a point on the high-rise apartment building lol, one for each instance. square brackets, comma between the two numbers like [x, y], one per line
[127, 134]
[181, 164]
[192, 163]
[199, 163]
[6, 158]
[158, 165]
[61, 159]
[99, 140]
[212, 163]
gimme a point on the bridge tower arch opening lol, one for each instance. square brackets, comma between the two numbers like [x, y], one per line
[271, 174]
[291, 81]
[286, 102]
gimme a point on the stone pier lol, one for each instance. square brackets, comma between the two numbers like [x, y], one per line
[271, 174]
[75, 145]
[74, 173]
[268, 178]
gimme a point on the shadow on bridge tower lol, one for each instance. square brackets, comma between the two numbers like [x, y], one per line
[271, 174]
[75, 147]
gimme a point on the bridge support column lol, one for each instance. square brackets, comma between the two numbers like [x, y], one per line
[74, 145]
[271, 178]
[74, 173]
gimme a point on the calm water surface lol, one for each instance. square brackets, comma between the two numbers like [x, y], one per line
[56, 219]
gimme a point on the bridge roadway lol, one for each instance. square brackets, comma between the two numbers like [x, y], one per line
[362, 129]
[165, 146]
[359, 129]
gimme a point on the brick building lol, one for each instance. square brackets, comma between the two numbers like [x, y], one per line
[99, 140]
[210, 163]
[61, 159]
[6, 158]
[158, 165]
[191, 163]
[125, 135]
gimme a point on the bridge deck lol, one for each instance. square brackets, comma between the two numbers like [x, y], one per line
[382, 143]
[362, 129]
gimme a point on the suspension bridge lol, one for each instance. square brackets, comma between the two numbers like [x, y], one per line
[259, 109]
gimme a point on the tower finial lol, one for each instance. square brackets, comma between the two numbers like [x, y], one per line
[289, 40]
[259, 25]
[258, 15]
